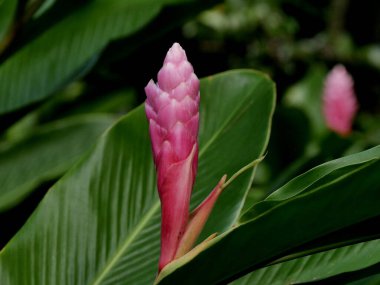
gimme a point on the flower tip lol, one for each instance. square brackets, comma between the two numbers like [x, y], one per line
[176, 54]
[339, 74]
[340, 67]
[176, 46]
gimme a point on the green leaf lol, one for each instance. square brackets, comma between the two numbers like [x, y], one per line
[317, 266]
[325, 207]
[245, 101]
[46, 154]
[100, 223]
[47, 62]
[310, 179]
[7, 12]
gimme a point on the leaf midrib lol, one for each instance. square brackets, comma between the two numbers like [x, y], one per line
[126, 243]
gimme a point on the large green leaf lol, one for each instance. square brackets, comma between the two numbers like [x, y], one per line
[46, 154]
[100, 223]
[346, 196]
[49, 60]
[317, 266]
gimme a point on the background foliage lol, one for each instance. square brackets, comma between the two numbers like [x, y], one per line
[72, 71]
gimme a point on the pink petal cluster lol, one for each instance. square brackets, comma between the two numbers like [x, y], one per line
[172, 108]
[339, 101]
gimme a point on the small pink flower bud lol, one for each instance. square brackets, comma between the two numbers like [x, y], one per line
[339, 101]
[172, 108]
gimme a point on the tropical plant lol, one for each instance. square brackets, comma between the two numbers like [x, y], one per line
[79, 202]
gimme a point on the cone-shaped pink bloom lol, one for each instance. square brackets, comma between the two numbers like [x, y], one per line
[339, 101]
[172, 108]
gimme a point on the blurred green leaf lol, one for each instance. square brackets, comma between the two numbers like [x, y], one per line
[45, 112]
[119, 102]
[370, 54]
[369, 135]
[46, 154]
[303, 216]
[7, 12]
[102, 218]
[307, 96]
[50, 60]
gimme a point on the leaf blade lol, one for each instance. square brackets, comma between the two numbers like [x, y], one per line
[112, 189]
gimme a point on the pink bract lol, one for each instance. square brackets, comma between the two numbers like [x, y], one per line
[339, 101]
[172, 108]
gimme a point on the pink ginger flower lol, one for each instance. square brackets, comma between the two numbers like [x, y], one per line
[339, 101]
[172, 108]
